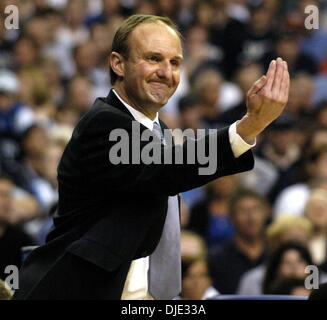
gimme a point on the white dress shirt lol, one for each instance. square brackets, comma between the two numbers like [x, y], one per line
[136, 284]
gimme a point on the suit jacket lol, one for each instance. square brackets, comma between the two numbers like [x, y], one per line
[109, 214]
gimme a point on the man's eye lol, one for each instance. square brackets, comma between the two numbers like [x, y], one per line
[153, 58]
[175, 63]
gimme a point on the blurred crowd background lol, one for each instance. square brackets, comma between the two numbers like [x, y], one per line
[252, 233]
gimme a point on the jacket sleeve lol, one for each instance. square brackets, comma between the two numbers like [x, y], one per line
[92, 145]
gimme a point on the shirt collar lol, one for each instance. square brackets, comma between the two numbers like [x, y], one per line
[139, 116]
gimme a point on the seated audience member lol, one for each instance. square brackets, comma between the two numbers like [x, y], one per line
[247, 249]
[15, 117]
[282, 230]
[207, 87]
[210, 217]
[34, 142]
[5, 292]
[292, 200]
[280, 149]
[189, 113]
[12, 239]
[196, 281]
[50, 157]
[288, 228]
[289, 260]
[287, 47]
[290, 286]
[301, 96]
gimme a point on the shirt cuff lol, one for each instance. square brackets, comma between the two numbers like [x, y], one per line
[238, 145]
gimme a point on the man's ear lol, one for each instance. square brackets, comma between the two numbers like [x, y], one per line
[116, 62]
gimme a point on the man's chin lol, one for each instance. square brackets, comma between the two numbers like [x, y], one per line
[159, 101]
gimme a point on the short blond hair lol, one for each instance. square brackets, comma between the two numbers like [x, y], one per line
[198, 249]
[281, 225]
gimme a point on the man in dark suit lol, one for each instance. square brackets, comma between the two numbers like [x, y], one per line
[111, 217]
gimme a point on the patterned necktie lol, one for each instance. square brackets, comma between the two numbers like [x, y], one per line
[165, 261]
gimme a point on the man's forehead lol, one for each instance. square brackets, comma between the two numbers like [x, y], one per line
[154, 33]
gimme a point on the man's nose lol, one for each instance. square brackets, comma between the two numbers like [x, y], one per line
[164, 71]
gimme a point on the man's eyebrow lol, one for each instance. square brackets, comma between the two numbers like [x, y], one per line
[179, 57]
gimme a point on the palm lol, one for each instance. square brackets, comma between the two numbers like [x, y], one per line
[268, 96]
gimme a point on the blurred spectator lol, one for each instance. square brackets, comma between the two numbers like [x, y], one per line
[210, 217]
[12, 238]
[34, 92]
[293, 198]
[52, 77]
[260, 31]
[26, 54]
[38, 29]
[15, 117]
[300, 102]
[86, 64]
[289, 260]
[79, 97]
[68, 35]
[227, 34]
[287, 47]
[247, 249]
[74, 32]
[190, 113]
[85, 57]
[199, 53]
[206, 87]
[283, 230]
[196, 281]
[34, 143]
[289, 228]
[67, 116]
[281, 150]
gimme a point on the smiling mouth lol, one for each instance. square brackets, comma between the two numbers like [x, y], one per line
[160, 84]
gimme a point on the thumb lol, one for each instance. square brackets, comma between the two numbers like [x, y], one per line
[257, 86]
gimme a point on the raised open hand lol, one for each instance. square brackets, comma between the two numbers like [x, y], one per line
[266, 100]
